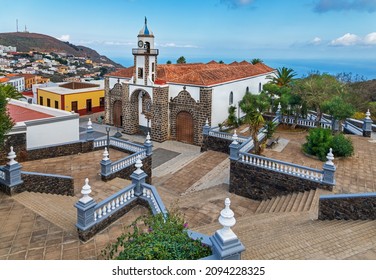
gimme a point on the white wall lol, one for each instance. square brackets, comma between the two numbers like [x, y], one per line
[56, 132]
[221, 96]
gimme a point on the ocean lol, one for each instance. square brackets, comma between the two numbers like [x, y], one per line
[360, 68]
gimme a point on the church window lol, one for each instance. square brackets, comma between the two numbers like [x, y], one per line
[152, 77]
[140, 72]
[260, 87]
[152, 67]
[247, 89]
[231, 99]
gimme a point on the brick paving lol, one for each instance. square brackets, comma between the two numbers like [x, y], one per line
[29, 231]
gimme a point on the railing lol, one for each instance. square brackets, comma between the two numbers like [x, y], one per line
[281, 166]
[127, 161]
[2, 174]
[150, 193]
[122, 144]
[324, 123]
[227, 136]
[113, 203]
[352, 128]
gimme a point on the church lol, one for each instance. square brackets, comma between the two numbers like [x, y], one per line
[173, 101]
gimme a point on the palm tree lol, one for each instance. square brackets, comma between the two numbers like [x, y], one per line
[10, 91]
[256, 60]
[253, 106]
[284, 77]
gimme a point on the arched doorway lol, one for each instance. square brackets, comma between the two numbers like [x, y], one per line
[184, 127]
[118, 114]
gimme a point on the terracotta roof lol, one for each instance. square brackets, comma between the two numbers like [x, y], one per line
[201, 74]
[3, 80]
[21, 114]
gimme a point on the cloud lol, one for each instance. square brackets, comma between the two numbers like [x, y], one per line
[64, 38]
[173, 45]
[233, 4]
[353, 39]
[316, 41]
[323, 6]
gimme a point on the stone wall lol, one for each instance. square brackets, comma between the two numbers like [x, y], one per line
[200, 112]
[42, 183]
[261, 184]
[348, 207]
[211, 143]
[18, 141]
[113, 216]
[159, 122]
[126, 172]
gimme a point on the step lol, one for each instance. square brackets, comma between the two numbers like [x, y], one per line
[275, 203]
[291, 202]
[281, 202]
[297, 202]
[270, 204]
[261, 206]
[303, 201]
[286, 202]
[309, 202]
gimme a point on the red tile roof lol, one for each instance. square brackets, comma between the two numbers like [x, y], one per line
[208, 74]
[21, 114]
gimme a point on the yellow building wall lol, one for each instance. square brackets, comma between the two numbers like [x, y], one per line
[52, 96]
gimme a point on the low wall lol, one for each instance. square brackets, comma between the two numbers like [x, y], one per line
[87, 234]
[127, 172]
[42, 183]
[18, 142]
[260, 184]
[211, 143]
[348, 207]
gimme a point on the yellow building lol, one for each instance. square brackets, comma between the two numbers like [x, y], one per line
[82, 98]
[30, 80]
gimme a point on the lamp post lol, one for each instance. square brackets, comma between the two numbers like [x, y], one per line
[272, 97]
[108, 137]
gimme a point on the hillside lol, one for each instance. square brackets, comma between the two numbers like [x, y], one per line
[26, 42]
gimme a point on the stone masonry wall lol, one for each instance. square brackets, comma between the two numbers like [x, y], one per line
[42, 183]
[18, 141]
[348, 208]
[210, 143]
[159, 123]
[261, 184]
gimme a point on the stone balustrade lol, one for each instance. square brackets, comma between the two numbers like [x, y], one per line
[150, 193]
[127, 161]
[283, 167]
[349, 127]
[118, 143]
[225, 135]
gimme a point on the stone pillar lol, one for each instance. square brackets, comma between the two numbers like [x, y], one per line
[89, 131]
[226, 245]
[105, 165]
[159, 123]
[335, 125]
[206, 128]
[234, 147]
[107, 101]
[12, 170]
[367, 125]
[85, 208]
[138, 177]
[148, 145]
[279, 112]
[329, 170]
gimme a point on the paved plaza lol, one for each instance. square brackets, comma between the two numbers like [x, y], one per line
[42, 226]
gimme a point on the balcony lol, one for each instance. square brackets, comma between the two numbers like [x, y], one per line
[145, 51]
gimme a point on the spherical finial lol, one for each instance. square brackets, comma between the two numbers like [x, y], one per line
[368, 114]
[105, 154]
[207, 122]
[89, 124]
[148, 138]
[235, 138]
[86, 190]
[226, 219]
[279, 106]
[11, 156]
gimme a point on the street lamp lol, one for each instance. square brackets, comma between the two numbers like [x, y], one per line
[108, 137]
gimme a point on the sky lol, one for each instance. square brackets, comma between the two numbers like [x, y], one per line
[206, 29]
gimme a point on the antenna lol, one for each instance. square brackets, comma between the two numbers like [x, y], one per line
[17, 24]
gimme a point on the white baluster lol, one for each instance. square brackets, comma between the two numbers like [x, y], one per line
[113, 205]
[132, 193]
[148, 194]
[117, 202]
[128, 195]
[109, 207]
[104, 210]
[99, 213]
[144, 192]
[95, 215]
[121, 199]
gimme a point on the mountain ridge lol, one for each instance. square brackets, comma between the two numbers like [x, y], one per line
[26, 42]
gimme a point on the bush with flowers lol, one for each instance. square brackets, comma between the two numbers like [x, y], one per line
[155, 237]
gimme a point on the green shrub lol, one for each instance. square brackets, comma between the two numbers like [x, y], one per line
[155, 238]
[270, 129]
[318, 142]
[342, 146]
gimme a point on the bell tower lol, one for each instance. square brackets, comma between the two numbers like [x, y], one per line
[145, 57]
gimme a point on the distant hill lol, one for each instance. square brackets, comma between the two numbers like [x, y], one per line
[25, 42]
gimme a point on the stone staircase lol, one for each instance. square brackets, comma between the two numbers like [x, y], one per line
[296, 202]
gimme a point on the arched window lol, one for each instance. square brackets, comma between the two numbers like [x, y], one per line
[260, 87]
[231, 99]
[247, 90]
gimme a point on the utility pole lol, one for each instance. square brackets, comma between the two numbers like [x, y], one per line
[17, 25]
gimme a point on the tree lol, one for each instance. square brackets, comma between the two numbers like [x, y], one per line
[6, 123]
[168, 62]
[181, 60]
[253, 106]
[256, 60]
[338, 108]
[316, 89]
[221, 62]
[10, 91]
[284, 77]
[232, 120]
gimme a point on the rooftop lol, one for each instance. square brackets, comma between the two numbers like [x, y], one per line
[21, 114]
[74, 87]
[209, 74]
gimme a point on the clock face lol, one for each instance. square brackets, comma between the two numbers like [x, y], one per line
[140, 44]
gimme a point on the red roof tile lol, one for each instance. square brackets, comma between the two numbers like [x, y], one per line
[202, 74]
[21, 114]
